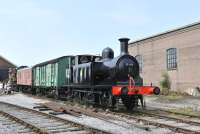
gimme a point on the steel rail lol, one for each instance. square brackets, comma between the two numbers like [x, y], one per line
[79, 125]
[154, 123]
[163, 125]
[62, 107]
[171, 118]
[172, 112]
[24, 123]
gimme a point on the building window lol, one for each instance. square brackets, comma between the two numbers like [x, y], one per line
[140, 61]
[171, 59]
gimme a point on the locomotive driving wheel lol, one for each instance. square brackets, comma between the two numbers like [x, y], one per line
[111, 101]
[108, 100]
[130, 102]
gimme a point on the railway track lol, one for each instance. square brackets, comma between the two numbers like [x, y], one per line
[12, 124]
[90, 113]
[183, 124]
[160, 118]
[176, 122]
[141, 119]
[153, 109]
[43, 123]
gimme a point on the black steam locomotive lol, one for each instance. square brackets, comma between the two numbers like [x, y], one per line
[106, 80]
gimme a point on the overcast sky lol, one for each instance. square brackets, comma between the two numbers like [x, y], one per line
[33, 31]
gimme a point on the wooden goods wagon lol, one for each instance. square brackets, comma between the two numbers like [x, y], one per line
[53, 74]
[24, 77]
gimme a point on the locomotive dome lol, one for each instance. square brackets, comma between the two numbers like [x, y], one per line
[107, 53]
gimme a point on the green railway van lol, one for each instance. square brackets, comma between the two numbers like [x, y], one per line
[53, 74]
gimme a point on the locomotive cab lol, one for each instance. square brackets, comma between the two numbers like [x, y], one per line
[82, 70]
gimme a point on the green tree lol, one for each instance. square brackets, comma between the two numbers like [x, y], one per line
[165, 83]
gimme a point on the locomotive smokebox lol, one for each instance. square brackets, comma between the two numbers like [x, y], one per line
[124, 45]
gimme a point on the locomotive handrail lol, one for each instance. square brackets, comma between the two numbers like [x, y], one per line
[130, 81]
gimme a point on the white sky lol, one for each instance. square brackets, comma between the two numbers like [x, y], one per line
[32, 31]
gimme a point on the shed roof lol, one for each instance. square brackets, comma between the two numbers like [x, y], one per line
[166, 32]
[6, 60]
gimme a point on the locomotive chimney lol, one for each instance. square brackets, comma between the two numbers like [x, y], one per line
[124, 45]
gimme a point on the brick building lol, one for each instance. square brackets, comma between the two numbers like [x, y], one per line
[175, 52]
[4, 67]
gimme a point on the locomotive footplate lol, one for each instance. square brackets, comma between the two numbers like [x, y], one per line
[131, 95]
[134, 90]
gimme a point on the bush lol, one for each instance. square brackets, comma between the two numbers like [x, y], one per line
[165, 83]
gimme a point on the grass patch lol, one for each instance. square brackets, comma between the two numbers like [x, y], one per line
[191, 111]
[173, 97]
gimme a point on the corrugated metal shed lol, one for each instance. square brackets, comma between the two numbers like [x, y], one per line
[3, 74]
[4, 67]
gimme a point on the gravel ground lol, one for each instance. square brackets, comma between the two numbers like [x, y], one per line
[8, 126]
[21, 100]
[7, 130]
[152, 101]
[29, 102]
[90, 121]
